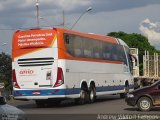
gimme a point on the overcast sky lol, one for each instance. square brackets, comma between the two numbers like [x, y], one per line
[131, 16]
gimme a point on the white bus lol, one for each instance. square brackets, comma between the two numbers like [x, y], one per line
[50, 65]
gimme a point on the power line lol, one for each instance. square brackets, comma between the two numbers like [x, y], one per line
[7, 29]
[10, 29]
[13, 29]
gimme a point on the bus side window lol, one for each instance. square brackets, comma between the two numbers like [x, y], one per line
[130, 63]
[87, 47]
[96, 53]
[114, 51]
[105, 51]
[122, 55]
[78, 51]
[69, 44]
[96, 50]
[67, 39]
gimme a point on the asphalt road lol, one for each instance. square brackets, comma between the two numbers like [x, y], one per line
[107, 105]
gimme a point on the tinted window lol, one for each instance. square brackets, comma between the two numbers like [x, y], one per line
[96, 49]
[90, 48]
[129, 59]
[106, 51]
[121, 54]
[87, 48]
[69, 43]
[77, 46]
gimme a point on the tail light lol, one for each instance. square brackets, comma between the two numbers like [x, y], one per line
[60, 78]
[15, 84]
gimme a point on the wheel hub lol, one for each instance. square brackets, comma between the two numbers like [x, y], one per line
[91, 95]
[145, 104]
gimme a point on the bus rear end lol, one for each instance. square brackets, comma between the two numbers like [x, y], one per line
[36, 74]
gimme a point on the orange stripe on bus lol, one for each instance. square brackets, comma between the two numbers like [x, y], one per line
[55, 38]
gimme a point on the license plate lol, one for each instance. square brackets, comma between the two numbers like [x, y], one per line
[36, 92]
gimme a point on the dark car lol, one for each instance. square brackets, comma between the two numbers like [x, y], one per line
[8, 112]
[145, 98]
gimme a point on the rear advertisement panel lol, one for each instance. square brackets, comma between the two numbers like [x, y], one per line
[30, 41]
[33, 39]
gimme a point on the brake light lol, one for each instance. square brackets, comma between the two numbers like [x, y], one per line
[60, 78]
[15, 84]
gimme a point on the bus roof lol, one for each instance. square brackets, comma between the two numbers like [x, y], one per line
[88, 35]
[122, 42]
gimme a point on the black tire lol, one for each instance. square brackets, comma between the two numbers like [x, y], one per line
[144, 104]
[40, 103]
[83, 98]
[92, 94]
[122, 95]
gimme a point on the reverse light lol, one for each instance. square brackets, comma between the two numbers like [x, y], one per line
[60, 78]
[14, 79]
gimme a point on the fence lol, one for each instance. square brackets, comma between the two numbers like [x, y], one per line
[151, 65]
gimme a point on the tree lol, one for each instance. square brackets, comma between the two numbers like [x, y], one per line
[6, 70]
[135, 40]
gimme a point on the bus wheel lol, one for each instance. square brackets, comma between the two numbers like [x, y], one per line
[82, 99]
[92, 94]
[144, 104]
[40, 103]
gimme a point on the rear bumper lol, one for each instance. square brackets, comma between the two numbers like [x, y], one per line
[46, 94]
[38, 97]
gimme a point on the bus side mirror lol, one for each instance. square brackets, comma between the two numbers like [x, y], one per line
[134, 60]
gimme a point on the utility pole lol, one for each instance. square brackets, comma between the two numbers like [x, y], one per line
[37, 8]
